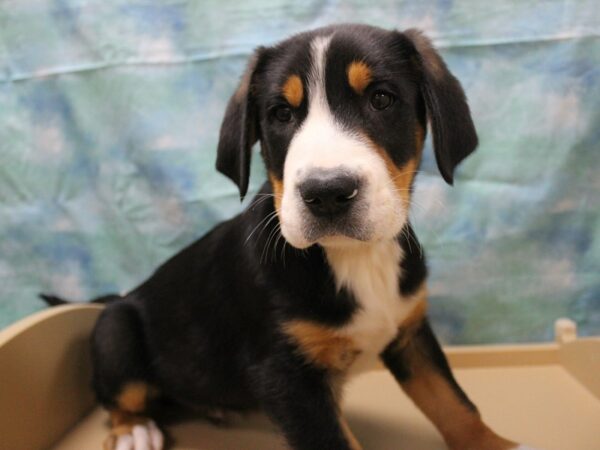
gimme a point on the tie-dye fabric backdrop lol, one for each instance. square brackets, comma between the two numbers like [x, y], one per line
[110, 110]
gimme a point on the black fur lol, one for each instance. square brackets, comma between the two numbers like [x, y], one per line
[454, 136]
[399, 360]
[53, 300]
[205, 328]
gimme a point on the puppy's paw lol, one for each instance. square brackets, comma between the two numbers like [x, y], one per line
[524, 447]
[145, 436]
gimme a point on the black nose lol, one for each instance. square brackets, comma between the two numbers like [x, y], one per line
[329, 193]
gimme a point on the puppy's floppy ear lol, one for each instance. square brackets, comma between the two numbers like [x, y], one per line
[239, 129]
[454, 136]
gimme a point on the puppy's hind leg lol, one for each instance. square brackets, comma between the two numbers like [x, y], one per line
[122, 378]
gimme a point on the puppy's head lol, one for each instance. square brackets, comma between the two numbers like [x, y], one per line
[341, 114]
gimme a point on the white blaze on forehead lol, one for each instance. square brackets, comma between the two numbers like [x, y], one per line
[316, 79]
[323, 143]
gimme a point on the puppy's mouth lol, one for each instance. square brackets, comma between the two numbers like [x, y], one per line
[338, 229]
[333, 206]
[338, 207]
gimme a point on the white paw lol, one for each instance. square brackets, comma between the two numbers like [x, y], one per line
[524, 447]
[142, 437]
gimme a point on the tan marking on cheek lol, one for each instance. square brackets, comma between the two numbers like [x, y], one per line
[293, 91]
[277, 191]
[359, 76]
[402, 177]
[322, 345]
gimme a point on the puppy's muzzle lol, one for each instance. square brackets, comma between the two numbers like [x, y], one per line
[329, 193]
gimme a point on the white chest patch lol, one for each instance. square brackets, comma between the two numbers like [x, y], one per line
[371, 273]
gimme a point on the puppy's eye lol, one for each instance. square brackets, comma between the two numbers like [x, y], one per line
[381, 100]
[283, 113]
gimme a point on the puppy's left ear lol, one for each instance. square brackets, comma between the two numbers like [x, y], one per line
[240, 129]
[454, 136]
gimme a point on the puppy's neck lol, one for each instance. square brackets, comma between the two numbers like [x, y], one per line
[361, 266]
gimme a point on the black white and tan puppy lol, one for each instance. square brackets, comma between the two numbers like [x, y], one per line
[322, 275]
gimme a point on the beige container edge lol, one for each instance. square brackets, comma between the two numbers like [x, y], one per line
[546, 395]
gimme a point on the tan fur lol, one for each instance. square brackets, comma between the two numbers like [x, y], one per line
[293, 91]
[277, 191]
[461, 427]
[133, 396]
[322, 345]
[359, 76]
[402, 177]
[121, 422]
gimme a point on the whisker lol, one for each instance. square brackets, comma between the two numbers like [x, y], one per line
[270, 215]
[266, 225]
[405, 234]
[265, 252]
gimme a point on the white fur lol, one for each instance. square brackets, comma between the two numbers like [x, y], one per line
[142, 437]
[371, 272]
[323, 143]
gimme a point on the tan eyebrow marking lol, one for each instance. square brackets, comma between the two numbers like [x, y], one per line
[359, 76]
[293, 91]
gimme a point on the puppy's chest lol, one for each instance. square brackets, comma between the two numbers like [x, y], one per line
[372, 276]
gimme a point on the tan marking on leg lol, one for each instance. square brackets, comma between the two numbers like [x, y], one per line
[121, 422]
[461, 427]
[359, 76]
[277, 191]
[133, 396]
[322, 345]
[293, 91]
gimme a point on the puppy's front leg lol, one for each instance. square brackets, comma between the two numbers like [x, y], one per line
[419, 365]
[301, 399]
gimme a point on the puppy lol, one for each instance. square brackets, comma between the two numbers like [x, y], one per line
[322, 275]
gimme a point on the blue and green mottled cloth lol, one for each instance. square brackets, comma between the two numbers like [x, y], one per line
[110, 111]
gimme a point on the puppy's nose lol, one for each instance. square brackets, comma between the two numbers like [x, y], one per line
[329, 193]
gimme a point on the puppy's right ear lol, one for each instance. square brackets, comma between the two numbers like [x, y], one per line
[240, 129]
